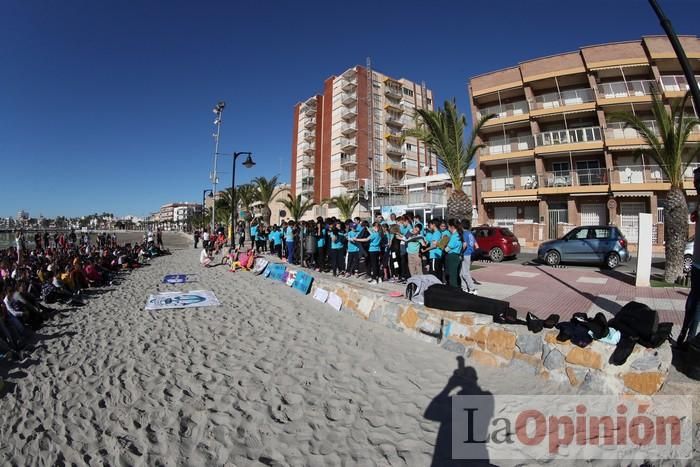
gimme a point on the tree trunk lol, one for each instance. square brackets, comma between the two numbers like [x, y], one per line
[459, 206]
[266, 214]
[675, 233]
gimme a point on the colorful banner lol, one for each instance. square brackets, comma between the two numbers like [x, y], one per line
[192, 299]
[175, 279]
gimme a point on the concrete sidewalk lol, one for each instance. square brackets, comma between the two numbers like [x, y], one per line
[543, 290]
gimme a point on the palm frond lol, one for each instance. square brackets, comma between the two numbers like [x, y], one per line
[297, 206]
[346, 204]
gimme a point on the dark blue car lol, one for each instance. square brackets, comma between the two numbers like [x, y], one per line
[600, 244]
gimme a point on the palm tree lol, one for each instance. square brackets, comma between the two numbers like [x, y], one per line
[346, 204]
[298, 206]
[442, 130]
[668, 147]
[266, 191]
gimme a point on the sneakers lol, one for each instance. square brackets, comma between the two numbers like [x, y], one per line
[474, 292]
[373, 281]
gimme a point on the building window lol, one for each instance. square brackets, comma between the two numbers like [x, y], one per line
[409, 147]
[408, 92]
[430, 101]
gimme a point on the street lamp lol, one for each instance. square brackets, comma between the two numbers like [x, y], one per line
[204, 192]
[218, 111]
[247, 163]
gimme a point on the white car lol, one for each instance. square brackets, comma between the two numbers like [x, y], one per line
[688, 256]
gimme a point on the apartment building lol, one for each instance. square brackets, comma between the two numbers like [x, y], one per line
[357, 126]
[556, 156]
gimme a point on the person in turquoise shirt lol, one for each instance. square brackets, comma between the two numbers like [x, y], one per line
[289, 240]
[320, 244]
[374, 240]
[353, 261]
[276, 237]
[453, 253]
[434, 251]
[335, 254]
[253, 235]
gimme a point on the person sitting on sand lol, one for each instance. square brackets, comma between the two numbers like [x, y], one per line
[244, 261]
[205, 257]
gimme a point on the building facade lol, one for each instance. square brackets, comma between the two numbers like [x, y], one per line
[351, 137]
[277, 209]
[556, 156]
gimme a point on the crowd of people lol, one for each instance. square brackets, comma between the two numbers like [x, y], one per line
[389, 250]
[58, 268]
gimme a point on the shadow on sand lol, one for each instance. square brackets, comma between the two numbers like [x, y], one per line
[463, 382]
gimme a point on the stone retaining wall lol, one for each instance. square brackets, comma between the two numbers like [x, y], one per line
[482, 341]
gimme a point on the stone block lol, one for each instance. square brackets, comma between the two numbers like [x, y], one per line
[457, 330]
[554, 360]
[365, 306]
[501, 342]
[453, 346]
[480, 336]
[598, 382]
[376, 315]
[532, 360]
[466, 319]
[391, 312]
[576, 375]
[551, 338]
[483, 358]
[430, 327]
[523, 364]
[530, 344]
[647, 383]
[409, 317]
[646, 362]
[585, 357]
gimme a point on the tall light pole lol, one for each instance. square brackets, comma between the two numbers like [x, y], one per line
[218, 111]
[204, 192]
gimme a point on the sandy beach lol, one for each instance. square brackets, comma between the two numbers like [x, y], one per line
[270, 377]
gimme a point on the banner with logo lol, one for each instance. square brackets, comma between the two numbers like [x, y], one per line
[193, 299]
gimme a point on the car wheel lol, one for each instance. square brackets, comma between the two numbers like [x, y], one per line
[612, 260]
[496, 255]
[552, 257]
[687, 263]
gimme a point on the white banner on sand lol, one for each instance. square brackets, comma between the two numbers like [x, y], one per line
[192, 299]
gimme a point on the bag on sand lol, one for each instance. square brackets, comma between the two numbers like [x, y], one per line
[444, 297]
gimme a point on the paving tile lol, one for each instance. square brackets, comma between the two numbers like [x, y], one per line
[592, 280]
[522, 274]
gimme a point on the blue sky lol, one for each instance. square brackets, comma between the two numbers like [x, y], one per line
[106, 105]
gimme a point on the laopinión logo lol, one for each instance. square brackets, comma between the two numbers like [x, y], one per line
[571, 427]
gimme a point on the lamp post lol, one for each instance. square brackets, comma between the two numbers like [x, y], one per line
[247, 163]
[218, 111]
[204, 192]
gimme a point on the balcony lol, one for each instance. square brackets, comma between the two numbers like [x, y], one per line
[509, 148]
[347, 144]
[348, 114]
[349, 74]
[307, 148]
[505, 113]
[619, 134]
[413, 198]
[571, 178]
[393, 107]
[626, 91]
[348, 160]
[396, 136]
[348, 177]
[569, 100]
[394, 92]
[309, 123]
[348, 129]
[307, 162]
[307, 189]
[347, 85]
[309, 136]
[348, 98]
[676, 85]
[307, 178]
[507, 184]
[309, 111]
[398, 166]
[394, 120]
[569, 140]
[394, 150]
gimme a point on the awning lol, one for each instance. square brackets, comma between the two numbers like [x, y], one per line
[632, 194]
[602, 193]
[616, 67]
[627, 147]
[512, 199]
